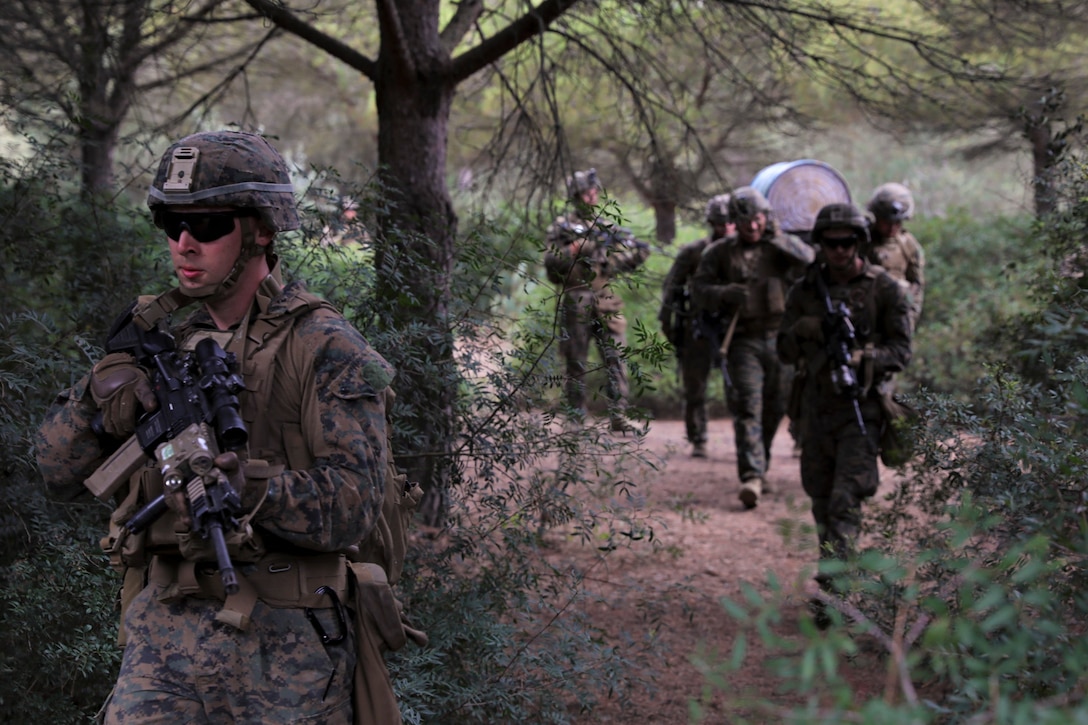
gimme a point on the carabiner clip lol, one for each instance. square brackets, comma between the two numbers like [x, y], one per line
[341, 618]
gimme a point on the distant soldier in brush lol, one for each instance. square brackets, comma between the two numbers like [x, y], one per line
[679, 324]
[585, 254]
[893, 247]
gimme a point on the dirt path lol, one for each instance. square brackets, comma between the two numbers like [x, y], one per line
[707, 546]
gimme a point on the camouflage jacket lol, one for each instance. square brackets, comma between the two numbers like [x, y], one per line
[317, 410]
[606, 251]
[880, 313]
[767, 268]
[676, 290]
[901, 256]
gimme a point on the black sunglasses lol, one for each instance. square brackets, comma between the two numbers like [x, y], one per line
[204, 226]
[840, 242]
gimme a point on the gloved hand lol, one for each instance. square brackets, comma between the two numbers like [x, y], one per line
[809, 327]
[250, 490]
[117, 385]
[735, 295]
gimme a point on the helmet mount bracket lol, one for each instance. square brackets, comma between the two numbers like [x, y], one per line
[179, 178]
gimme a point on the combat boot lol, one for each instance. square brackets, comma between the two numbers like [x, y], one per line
[820, 616]
[698, 449]
[750, 491]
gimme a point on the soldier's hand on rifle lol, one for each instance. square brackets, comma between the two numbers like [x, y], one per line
[809, 327]
[178, 502]
[117, 385]
[250, 491]
[735, 295]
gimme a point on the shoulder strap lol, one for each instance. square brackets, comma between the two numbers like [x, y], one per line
[150, 310]
[264, 337]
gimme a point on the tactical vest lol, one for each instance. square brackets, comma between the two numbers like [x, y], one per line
[163, 555]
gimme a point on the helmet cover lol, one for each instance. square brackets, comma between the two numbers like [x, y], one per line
[580, 182]
[226, 168]
[891, 201]
[717, 210]
[746, 202]
[841, 216]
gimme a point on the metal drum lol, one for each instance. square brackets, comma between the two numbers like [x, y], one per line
[797, 190]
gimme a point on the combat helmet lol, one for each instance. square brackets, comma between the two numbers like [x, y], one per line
[580, 182]
[841, 216]
[891, 201]
[717, 210]
[746, 202]
[226, 168]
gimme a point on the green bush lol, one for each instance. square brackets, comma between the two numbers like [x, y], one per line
[67, 268]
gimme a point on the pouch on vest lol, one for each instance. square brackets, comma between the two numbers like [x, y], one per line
[897, 436]
[776, 296]
[379, 626]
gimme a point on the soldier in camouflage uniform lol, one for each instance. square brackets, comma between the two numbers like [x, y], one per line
[311, 480]
[585, 253]
[839, 452]
[678, 324]
[742, 281]
[894, 248]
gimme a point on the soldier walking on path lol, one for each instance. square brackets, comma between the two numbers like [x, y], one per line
[741, 281]
[849, 322]
[678, 323]
[893, 247]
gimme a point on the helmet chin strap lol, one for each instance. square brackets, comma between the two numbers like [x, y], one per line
[249, 250]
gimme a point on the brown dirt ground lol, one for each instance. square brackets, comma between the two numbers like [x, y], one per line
[707, 546]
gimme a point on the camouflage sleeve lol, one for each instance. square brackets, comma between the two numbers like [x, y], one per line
[563, 264]
[336, 502]
[712, 276]
[789, 347]
[916, 266]
[799, 254]
[670, 292]
[893, 307]
[626, 256]
[66, 449]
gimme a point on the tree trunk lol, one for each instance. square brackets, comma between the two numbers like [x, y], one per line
[1040, 137]
[415, 255]
[97, 146]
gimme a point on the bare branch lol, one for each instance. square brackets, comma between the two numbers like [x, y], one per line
[531, 24]
[288, 21]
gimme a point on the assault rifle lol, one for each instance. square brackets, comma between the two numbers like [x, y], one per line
[839, 341]
[605, 236]
[198, 416]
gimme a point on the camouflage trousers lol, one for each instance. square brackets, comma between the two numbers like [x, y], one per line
[839, 470]
[582, 322]
[182, 666]
[759, 396]
[696, 360]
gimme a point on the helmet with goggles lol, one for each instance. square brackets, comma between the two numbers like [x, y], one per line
[225, 169]
[891, 201]
[841, 216]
